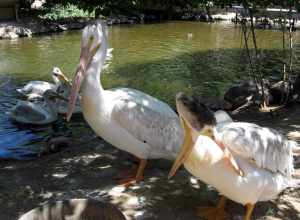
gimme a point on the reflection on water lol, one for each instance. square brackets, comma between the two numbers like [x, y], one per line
[159, 59]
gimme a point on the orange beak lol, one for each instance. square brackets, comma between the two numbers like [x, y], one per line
[86, 55]
[185, 149]
[75, 91]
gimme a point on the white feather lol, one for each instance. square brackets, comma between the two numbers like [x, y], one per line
[207, 163]
[263, 146]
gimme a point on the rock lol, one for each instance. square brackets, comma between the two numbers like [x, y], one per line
[27, 27]
[63, 27]
[57, 144]
[24, 32]
[11, 35]
[224, 17]
[37, 4]
[8, 32]
[75, 209]
[239, 95]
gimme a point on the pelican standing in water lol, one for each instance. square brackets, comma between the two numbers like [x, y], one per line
[39, 112]
[35, 89]
[126, 118]
[264, 156]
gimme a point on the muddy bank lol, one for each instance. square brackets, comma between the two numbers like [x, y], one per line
[90, 171]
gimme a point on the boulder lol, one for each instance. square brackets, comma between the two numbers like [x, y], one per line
[75, 209]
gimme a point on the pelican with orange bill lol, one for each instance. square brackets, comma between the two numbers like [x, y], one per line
[210, 159]
[126, 118]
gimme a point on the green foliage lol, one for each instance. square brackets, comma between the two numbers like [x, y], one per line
[59, 11]
[82, 8]
[103, 7]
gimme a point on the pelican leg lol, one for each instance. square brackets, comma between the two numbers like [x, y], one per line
[213, 213]
[249, 208]
[138, 177]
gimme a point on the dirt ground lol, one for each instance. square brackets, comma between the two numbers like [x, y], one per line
[89, 171]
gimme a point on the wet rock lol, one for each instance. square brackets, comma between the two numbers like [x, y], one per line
[239, 95]
[75, 209]
[56, 144]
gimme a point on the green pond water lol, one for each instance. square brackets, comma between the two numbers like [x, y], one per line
[159, 59]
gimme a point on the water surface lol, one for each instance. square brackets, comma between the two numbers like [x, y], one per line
[159, 59]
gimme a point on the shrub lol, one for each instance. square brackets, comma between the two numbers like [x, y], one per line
[58, 11]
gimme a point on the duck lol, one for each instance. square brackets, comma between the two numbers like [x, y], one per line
[34, 89]
[128, 119]
[264, 156]
[39, 112]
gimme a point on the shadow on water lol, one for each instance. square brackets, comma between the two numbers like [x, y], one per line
[206, 73]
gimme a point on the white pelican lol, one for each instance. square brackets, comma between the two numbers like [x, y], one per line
[265, 157]
[126, 118]
[39, 112]
[35, 89]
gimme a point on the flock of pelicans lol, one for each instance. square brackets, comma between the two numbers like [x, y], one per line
[243, 161]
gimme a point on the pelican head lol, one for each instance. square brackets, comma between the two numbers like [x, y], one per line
[91, 60]
[193, 112]
[59, 77]
[195, 119]
[50, 95]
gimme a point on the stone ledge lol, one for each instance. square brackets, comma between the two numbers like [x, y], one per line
[27, 28]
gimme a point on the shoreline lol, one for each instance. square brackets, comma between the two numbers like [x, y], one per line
[27, 27]
[33, 26]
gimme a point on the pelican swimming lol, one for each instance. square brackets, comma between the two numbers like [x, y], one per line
[126, 118]
[39, 112]
[35, 89]
[264, 156]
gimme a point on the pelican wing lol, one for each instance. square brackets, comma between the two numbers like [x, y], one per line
[38, 87]
[150, 121]
[264, 146]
